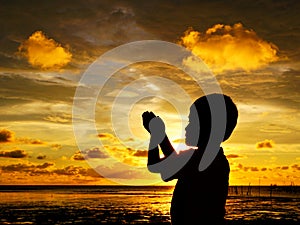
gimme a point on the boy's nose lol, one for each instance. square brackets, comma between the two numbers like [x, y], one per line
[186, 127]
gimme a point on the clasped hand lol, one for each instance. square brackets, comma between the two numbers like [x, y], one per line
[155, 126]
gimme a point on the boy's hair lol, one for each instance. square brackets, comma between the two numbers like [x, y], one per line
[204, 115]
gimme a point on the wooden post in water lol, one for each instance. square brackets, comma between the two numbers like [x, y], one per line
[236, 190]
[249, 189]
[259, 187]
[271, 190]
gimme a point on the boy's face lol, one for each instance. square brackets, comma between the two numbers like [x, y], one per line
[192, 130]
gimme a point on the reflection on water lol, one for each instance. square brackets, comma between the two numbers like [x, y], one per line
[128, 205]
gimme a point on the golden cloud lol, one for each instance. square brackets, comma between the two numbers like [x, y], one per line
[56, 146]
[105, 136]
[78, 156]
[225, 47]
[141, 153]
[41, 157]
[295, 167]
[265, 144]
[77, 171]
[44, 52]
[43, 169]
[25, 140]
[20, 167]
[233, 156]
[285, 167]
[6, 136]
[13, 154]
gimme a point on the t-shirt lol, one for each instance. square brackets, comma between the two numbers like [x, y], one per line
[200, 197]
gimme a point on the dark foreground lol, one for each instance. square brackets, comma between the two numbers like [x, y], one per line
[137, 205]
[40, 214]
[84, 216]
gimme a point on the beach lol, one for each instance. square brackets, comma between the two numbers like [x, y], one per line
[138, 205]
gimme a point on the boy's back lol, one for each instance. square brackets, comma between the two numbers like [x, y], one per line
[201, 196]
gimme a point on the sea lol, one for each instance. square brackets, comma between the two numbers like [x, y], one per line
[272, 205]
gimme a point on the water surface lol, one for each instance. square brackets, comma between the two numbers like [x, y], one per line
[137, 205]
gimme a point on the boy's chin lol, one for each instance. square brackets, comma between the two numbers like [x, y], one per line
[190, 143]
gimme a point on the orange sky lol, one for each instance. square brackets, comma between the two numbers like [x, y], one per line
[44, 55]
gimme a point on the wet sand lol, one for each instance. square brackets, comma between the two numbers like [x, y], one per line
[132, 205]
[40, 213]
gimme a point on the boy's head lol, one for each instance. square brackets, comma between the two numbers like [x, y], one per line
[200, 118]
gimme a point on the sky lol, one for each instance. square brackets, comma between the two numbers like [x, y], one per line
[251, 47]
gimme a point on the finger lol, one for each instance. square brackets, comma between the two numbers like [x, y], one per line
[145, 114]
[151, 114]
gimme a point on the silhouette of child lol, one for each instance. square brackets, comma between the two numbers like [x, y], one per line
[199, 196]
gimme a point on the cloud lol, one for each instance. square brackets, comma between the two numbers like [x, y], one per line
[41, 157]
[265, 144]
[225, 47]
[13, 154]
[38, 169]
[295, 167]
[254, 169]
[90, 153]
[240, 167]
[233, 156]
[76, 171]
[43, 52]
[105, 136]
[22, 167]
[141, 153]
[95, 153]
[284, 167]
[56, 146]
[6, 136]
[251, 168]
[44, 165]
[29, 141]
[62, 118]
[78, 156]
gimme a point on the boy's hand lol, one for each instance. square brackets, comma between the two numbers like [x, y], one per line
[157, 128]
[147, 117]
[158, 132]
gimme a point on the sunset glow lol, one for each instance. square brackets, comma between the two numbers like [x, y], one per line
[43, 56]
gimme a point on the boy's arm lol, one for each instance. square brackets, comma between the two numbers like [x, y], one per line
[166, 146]
[169, 166]
[157, 131]
[153, 151]
[153, 156]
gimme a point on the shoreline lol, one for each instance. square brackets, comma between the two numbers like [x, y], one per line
[93, 222]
